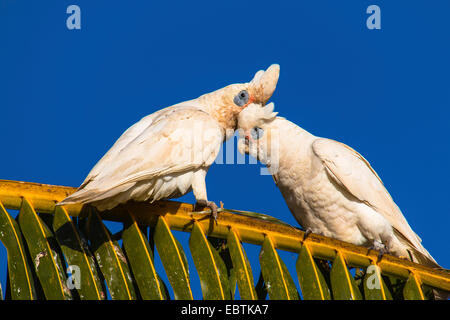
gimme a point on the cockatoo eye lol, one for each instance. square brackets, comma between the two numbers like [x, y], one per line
[256, 133]
[241, 98]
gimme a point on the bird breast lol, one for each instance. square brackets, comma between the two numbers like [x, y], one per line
[315, 201]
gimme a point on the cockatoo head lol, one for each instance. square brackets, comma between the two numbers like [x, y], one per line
[225, 104]
[257, 135]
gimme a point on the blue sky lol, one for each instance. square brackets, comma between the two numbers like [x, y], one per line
[67, 95]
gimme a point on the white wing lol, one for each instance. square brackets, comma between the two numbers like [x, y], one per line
[172, 140]
[130, 134]
[350, 170]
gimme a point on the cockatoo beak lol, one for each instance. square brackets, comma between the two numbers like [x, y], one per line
[263, 84]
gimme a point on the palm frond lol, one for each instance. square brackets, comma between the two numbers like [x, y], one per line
[48, 245]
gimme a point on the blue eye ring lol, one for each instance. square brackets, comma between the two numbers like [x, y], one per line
[241, 98]
[256, 133]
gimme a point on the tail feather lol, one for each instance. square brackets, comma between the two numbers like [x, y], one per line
[79, 196]
[85, 196]
[424, 259]
[416, 251]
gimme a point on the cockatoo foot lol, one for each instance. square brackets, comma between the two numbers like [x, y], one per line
[208, 204]
[308, 231]
[380, 247]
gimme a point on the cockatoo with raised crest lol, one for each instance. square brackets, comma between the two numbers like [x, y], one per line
[168, 153]
[330, 188]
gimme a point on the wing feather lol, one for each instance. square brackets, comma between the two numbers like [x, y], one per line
[354, 173]
[130, 134]
[170, 141]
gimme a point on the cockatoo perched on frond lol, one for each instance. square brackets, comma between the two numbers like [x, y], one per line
[329, 187]
[168, 153]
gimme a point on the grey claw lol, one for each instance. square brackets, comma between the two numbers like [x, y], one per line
[213, 207]
[208, 204]
[308, 231]
[381, 248]
[381, 252]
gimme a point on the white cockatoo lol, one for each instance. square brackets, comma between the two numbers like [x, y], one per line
[168, 153]
[329, 187]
